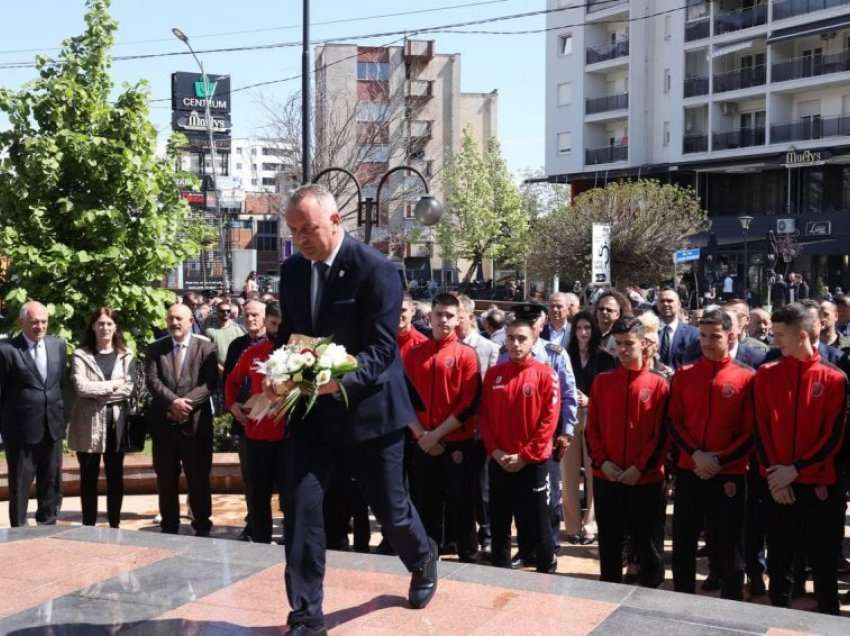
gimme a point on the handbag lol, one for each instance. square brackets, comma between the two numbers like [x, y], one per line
[138, 403]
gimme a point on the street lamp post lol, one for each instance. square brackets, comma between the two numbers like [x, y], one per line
[745, 222]
[428, 210]
[222, 226]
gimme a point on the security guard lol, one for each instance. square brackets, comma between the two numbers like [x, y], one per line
[555, 357]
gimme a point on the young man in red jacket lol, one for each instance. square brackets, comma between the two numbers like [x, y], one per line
[408, 336]
[264, 438]
[520, 405]
[444, 372]
[626, 440]
[801, 416]
[711, 421]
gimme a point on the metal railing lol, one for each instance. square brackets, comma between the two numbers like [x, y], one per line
[695, 143]
[811, 66]
[609, 154]
[698, 29]
[603, 104]
[696, 86]
[790, 8]
[620, 49]
[816, 128]
[741, 138]
[740, 19]
[740, 78]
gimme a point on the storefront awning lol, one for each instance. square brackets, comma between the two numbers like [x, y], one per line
[811, 28]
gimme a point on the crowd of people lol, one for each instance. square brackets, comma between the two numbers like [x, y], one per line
[573, 421]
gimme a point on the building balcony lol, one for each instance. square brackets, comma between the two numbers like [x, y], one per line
[419, 49]
[740, 19]
[608, 154]
[594, 6]
[697, 29]
[419, 130]
[740, 78]
[695, 86]
[811, 66]
[620, 49]
[790, 8]
[807, 130]
[604, 104]
[741, 138]
[419, 90]
[695, 143]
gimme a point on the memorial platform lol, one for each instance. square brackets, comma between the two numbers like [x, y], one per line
[84, 580]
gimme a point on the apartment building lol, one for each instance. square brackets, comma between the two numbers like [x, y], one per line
[259, 162]
[747, 101]
[382, 107]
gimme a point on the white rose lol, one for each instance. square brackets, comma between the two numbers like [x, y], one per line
[295, 363]
[323, 377]
[309, 359]
[333, 356]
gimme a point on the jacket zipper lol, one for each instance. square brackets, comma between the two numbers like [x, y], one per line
[796, 407]
[710, 401]
[626, 421]
[433, 384]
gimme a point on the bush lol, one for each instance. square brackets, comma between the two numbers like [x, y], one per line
[222, 440]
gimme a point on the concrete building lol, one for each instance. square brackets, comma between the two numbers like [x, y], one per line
[258, 161]
[382, 107]
[747, 101]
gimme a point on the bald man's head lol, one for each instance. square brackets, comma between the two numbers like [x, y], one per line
[179, 321]
[33, 320]
[314, 221]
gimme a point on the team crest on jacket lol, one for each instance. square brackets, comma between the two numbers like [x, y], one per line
[450, 362]
[727, 391]
[527, 390]
[644, 396]
[817, 389]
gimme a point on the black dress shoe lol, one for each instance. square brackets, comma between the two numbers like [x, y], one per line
[306, 630]
[757, 587]
[423, 584]
[711, 584]
[523, 561]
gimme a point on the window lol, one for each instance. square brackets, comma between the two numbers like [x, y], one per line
[272, 167]
[565, 94]
[239, 151]
[668, 27]
[267, 227]
[666, 137]
[565, 143]
[275, 152]
[265, 243]
[253, 152]
[565, 44]
[370, 111]
[253, 182]
[268, 181]
[667, 81]
[376, 152]
[373, 71]
[696, 10]
[238, 165]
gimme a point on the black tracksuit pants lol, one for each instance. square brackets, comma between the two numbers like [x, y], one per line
[754, 530]
[809, 526]
[523, 495]
[265, 462]
[720, 504]
[113, 462]
[636, 512]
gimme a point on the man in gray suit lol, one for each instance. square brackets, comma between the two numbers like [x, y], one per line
[182, 373]
[32, 368]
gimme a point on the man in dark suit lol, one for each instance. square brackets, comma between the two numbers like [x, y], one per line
[678, 342]
[32, 368]
[338, 287]
[182, 372]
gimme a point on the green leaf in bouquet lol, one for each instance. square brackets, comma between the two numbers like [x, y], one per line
[291, 401]
[314, 395]
[343, 393]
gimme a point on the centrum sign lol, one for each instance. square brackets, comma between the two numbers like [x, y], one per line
[188, 92]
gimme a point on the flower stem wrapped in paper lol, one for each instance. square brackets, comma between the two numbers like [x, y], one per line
[296, 372]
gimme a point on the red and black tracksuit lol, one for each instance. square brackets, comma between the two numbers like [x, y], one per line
[520, 405]
[409, 339]
[801, 416]
[264, 441]
[711, 410]
[445, 375]
[625, 425]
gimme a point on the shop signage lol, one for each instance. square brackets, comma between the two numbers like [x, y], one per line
[195, 121]
[686, 256]
[194, 198]
[188, 92]
[801, 158]
[819, 228]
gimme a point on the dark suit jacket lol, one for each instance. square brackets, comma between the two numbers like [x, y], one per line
[684, 345]
[359, 309]
[197, 383]
[827, 353]
[30, 406]
[750, 356]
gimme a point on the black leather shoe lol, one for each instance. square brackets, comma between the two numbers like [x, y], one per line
[423, 584]
[523, 561]
[757, 587]
[306, 630]
[711, 584]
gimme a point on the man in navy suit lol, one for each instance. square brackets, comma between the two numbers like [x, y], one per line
[32, 368]
[338, 287]
[678, 342]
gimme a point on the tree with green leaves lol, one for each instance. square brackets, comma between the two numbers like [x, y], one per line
[485, 215]
[89, 215]
[649, 221]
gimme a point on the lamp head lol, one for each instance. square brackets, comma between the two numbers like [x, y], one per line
[428, 210]
[745, 222]
[180, 35]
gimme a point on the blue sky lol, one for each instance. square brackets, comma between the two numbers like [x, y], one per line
[514, 64]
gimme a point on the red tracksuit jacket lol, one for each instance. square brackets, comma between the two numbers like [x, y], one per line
[625, 422]
[445, 374]
[266, 429]
[801, 414]
[520, 405]
[406, 341]
[711, 409]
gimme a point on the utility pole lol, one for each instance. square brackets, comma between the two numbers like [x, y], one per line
[306, 128]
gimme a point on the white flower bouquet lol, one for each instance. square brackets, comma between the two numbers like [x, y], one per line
[296, 372]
